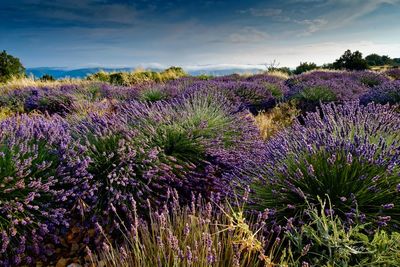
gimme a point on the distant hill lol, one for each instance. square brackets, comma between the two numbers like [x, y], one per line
[59, 73]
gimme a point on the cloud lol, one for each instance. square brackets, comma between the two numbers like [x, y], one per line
[343, 12]
[312, 25]
[267, 12]
[248, 35]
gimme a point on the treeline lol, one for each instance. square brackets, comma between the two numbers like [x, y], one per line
[348, 61]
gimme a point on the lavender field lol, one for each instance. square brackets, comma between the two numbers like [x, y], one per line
[178, 170]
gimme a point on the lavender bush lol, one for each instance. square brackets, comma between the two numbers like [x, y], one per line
[41, 175]
[256, 93]
[370, 78]
[393, 73]
[123, 167]
[388, 92]
[350, 154]
[312, 88]
[50, 101]
[200, 130]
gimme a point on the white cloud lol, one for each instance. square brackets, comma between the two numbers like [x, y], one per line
[313, 25]
[248, 35]
[343, 12]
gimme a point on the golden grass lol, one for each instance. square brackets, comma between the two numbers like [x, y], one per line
[195, 236]
[279, 74]
[280, 117]
[17, 83]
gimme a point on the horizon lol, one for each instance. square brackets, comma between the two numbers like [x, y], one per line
[124, 33]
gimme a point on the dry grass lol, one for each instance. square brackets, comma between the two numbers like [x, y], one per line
[275, 120]
[279, 74]
[203, 234]
[17, 83]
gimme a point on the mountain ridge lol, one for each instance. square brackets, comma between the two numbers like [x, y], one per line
[59, 72]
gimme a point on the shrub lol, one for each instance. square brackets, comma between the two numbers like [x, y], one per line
[393, 73]
[203, 234]
[200, 130]
[255, 93]
[304, 67]
[312, 88]
[370, 78]
[349, 154]
[14, 100]
[5, 112]
[388, 92]
[47, 77]
[41, 175]
[138, 76]
[152, 95]
[49, 101]
[315, 94]
[280, 117]
[124, 168]
[101, 76]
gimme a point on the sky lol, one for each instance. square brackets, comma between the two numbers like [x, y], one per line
[195, 34]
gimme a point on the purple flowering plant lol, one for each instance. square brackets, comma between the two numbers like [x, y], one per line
[350, 154]
[388, 92]
[41, 177]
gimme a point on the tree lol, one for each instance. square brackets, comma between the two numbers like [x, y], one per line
[377, 60]
[305, 66]
[10, 66]
[351, 61]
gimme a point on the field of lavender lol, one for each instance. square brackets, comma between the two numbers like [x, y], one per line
[260, 170]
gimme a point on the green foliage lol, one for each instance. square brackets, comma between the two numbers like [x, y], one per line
[339, 181]
[204, 77]
[326, 241]
[286, 70]
[351, 61]
[304, 67]
[377, 60]
[139, 76]
[101, 76]
[47, 77]
[274, 89]
[5, 112]
[10, 67]
[312, 96]
[199, 119]
[152, 95]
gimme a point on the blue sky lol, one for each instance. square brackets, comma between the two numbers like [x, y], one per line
[157, 33]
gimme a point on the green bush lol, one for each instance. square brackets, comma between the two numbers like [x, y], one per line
[137, 77]
[326, 241]
[10, 67]
[152, 95]
[348, 152]
[304, 67]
